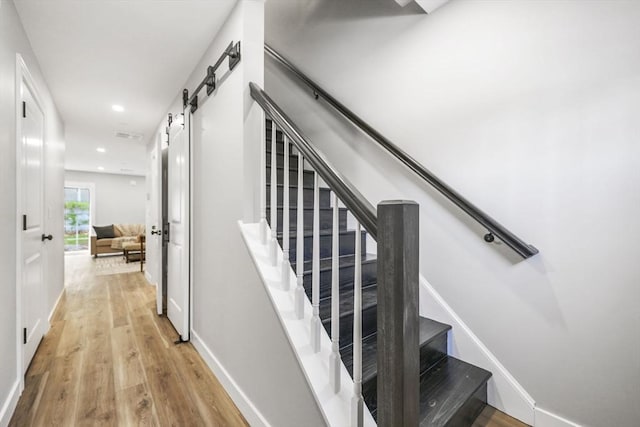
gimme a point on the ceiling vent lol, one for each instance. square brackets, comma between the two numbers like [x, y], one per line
[137, 137]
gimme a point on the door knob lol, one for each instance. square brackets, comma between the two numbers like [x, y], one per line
[47, 237]
[156, 232]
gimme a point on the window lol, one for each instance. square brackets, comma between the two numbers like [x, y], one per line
[77, 218]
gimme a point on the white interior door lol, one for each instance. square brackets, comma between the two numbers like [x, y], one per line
[154, 223]
[178, 286]
[33, 292]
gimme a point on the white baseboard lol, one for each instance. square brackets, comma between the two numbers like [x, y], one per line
[503, 391]
[9, 405]
[545, 418]
[150, 281]
[55, 306]
[253, 416]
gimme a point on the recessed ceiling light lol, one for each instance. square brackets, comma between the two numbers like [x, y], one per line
[100, 168]
[118, 108]
[100, 150]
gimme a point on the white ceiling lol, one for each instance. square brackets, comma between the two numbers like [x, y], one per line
[135, 53]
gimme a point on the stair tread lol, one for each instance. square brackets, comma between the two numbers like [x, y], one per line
[429, 330]
[280, 184]
[343, 261]
[323, 232]
[446, 387]
[346, 270]
[309, 208]
[369, 299]
[282, 168]
[278, 152]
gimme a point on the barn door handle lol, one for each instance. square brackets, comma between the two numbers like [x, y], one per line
[47, 237]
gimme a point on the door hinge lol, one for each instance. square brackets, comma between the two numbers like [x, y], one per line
[24, 335]
[24, 109]
[24, 223]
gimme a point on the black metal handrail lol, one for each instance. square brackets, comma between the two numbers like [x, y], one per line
[359, 206]
[494, 227]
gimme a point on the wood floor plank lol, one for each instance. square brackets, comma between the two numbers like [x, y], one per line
[30, 400]
[153, 347]
[117, 304]
[127, 364]
[71, 339]
[47, 350]
[96, 395]
[60, 395]
[135, 407]
[110, 360]
[97, 321]
[491, 417]
[193, 370]
[173, 401]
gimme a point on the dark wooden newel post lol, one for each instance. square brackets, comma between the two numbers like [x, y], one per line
[398, 323]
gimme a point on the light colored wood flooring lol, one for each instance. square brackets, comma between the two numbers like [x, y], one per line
[491, 417]
[110, 360]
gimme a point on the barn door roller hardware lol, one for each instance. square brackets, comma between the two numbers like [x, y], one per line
[233, 52]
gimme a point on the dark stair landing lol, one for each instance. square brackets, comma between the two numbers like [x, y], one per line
[452, 392]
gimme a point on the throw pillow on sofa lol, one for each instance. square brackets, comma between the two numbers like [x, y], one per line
[104, 232]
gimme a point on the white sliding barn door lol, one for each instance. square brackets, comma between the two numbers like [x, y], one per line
[178, 277]
[31, 194]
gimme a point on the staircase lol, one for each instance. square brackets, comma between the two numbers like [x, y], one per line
[452, 392]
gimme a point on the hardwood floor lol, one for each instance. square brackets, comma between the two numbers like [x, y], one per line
[109, 360]
[491, 417]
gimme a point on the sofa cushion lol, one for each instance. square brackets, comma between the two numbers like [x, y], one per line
[131, 246]
[118, 242]
[129, 229]
[104, 242]
[104, 232]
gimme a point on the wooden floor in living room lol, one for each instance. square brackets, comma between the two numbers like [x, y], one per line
[110, 360]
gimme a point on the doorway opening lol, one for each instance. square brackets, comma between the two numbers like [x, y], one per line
[77, 217]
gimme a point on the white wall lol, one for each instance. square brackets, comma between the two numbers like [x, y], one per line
[117, 199]
[234, 324]
[14, 40]
[530, 109]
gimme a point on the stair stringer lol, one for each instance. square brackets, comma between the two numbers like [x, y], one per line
[335, 407]
[503, 390]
